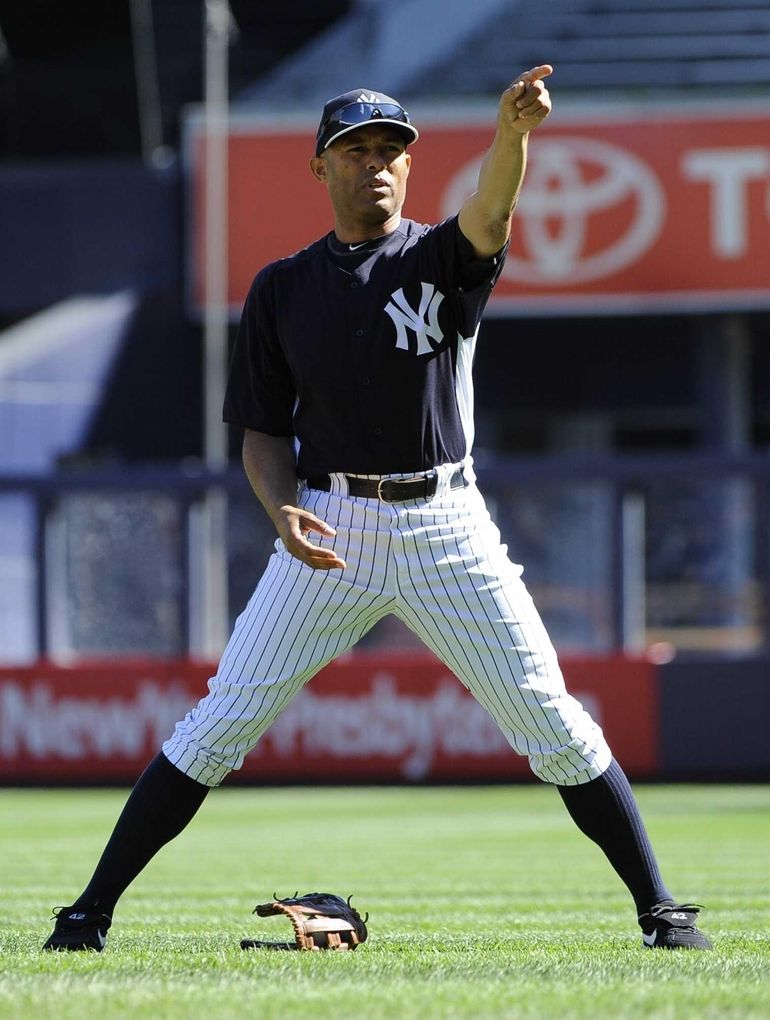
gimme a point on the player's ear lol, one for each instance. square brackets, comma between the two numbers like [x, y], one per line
[318, 168]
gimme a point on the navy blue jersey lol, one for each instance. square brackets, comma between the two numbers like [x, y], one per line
[364, 352]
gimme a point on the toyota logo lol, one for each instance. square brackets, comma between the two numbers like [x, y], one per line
[588, 209]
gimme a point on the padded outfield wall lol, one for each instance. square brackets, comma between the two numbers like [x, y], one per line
[395, 718]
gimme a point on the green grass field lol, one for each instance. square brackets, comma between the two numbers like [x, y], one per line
[484, 903]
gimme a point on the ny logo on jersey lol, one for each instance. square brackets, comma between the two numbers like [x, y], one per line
[424, 322]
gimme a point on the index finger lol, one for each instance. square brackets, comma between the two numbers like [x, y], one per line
[536, 73]
[309, 522]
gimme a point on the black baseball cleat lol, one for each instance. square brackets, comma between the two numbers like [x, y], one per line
[78, 929]
[672, 926]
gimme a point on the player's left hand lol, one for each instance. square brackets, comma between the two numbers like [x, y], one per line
[526, 102]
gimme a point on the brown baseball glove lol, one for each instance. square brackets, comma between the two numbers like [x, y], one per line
[320, 921]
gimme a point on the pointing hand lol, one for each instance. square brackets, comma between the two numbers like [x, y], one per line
[526, 102]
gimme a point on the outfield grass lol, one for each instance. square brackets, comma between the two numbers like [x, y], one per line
[484, 903]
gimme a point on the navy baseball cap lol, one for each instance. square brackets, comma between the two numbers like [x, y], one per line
[353, 109]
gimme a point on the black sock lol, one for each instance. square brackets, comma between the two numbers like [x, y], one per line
[606, 811]
[159, 807]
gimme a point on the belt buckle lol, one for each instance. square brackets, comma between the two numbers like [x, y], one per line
[380, 496]
[427, 478]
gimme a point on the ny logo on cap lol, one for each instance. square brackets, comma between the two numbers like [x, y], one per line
[367, 98]
[424, 322]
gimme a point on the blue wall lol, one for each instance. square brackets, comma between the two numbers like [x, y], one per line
[93, 228]
[714, 719]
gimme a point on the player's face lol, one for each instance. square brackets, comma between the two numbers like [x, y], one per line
[365, 172]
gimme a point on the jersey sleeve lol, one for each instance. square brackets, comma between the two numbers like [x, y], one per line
[472, 271]
[260, 393]
[469, 279]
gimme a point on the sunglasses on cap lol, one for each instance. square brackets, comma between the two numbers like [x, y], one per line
[354, 115]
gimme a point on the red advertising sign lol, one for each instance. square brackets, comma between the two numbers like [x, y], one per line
[366, 717]
[636, 208]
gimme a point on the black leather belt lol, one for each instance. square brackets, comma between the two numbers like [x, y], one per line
[391, 490]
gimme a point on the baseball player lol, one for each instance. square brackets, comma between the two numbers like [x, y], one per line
[351, 378]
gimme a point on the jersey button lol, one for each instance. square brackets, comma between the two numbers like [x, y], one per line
[378, 431]
[354, 285]
[365, 382]
[359, 332]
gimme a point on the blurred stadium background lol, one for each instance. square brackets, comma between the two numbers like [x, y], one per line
[152, 159]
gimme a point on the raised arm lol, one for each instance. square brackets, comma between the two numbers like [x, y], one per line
[485, 217]
[270, 468]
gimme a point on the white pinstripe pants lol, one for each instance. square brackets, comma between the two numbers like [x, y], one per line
[437, 565]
